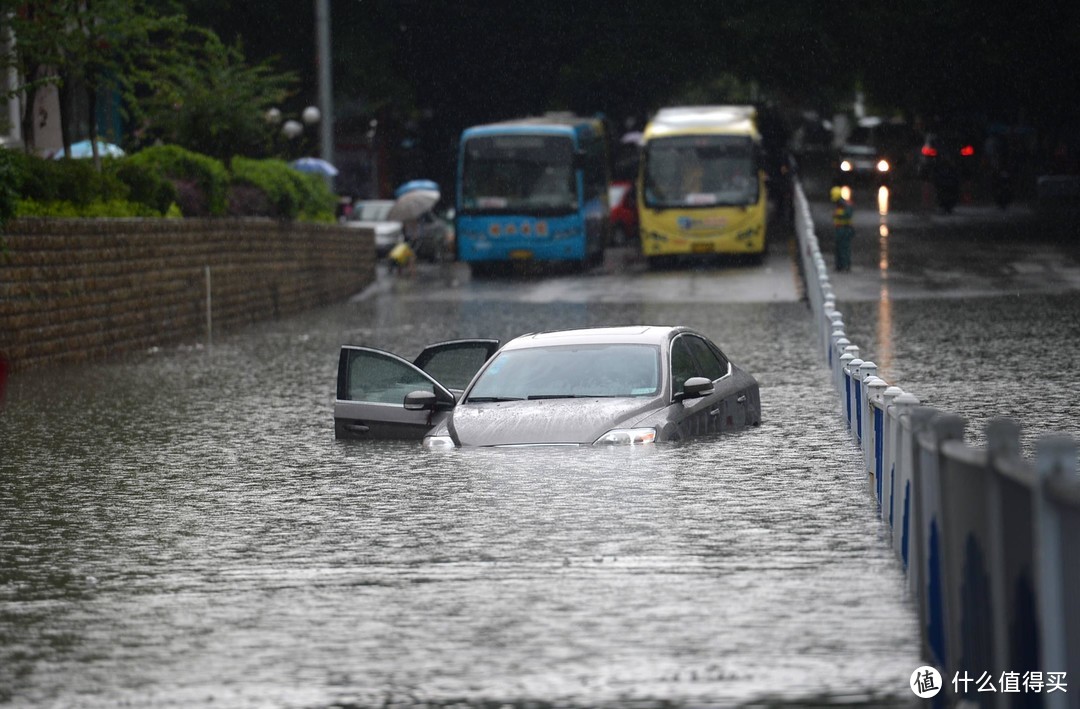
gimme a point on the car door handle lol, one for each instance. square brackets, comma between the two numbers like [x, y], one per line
[715, 412]
[741, 399]
[356, 428]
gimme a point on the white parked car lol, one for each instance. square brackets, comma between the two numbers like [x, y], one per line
[372, 214]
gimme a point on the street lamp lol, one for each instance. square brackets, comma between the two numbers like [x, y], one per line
[292, 128]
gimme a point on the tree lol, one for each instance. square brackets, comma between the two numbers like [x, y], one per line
[168, 73]
[215, 103]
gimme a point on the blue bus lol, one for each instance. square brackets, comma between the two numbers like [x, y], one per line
[533, 189]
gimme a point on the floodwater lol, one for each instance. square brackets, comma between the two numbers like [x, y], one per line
[182, 530]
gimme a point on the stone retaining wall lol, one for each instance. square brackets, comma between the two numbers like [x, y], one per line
[76, 290]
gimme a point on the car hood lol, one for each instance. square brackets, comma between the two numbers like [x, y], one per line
[860, 150]
[544, 421]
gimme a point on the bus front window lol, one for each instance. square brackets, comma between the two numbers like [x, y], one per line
[529, 174]
[701, 171]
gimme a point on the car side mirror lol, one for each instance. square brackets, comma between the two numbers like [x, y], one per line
[420, 400]
[697, 387]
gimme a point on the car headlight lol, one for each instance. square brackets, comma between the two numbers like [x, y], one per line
[883, 166]
[439, 442]
[845, 166]
[627, 436]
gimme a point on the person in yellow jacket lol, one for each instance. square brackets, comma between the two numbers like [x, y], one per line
[843, 231]
[402, 259]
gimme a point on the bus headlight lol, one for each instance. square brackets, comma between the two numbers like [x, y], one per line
[627, 436]
[883, 166]
[845, 166]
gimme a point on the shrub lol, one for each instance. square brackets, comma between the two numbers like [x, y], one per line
[318, 202]
[289, 193]
[146, 185]
[94, 209]
[11, 179]
[248, 201]
[189, 171]
[75, 181]
[162, 180]
[273, 179]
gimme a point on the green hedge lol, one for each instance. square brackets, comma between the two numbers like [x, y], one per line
[160, 181]
[290, 194]
[206, 175]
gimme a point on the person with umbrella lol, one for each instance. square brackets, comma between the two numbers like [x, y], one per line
[412, 200]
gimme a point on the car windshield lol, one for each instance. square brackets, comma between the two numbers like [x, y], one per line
[372, 211]
[700, 171]
[570, 371]
[519, 173]
[861, 135]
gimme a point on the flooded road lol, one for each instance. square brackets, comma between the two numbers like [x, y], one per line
[182, 529]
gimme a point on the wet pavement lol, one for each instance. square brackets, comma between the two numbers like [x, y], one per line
[182, 530]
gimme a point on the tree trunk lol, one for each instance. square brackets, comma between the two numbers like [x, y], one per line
[65, 91]
[91, 101]
[28, 121]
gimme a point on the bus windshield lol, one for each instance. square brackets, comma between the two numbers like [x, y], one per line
[701, 171]
[530, 174]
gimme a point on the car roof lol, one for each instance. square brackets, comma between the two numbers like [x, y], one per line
[631, 334]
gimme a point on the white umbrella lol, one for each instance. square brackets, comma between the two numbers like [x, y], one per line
[412, 204]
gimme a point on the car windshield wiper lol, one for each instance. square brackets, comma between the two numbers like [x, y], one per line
[487, 399]
[555, 396]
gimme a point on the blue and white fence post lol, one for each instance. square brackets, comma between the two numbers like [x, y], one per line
[888, 455]
[873, 451]
[1011, 490]
[968, 555]
[1057, 559]
[851, 386]
[904, 509]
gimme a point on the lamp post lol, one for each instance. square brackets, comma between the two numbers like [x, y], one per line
[292, 128]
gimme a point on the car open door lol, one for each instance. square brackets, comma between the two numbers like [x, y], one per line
[455, 362]
[372, 385]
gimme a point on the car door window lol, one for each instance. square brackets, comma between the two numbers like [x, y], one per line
[709, 362]
[683, 365]
[379, 377]
[453, 364]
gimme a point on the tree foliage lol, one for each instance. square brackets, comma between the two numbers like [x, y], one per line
[177, 82]
[215, 102]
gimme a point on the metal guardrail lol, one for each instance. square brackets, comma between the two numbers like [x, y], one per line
[989, 540]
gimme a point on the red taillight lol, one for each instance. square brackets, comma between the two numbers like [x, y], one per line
[967, 151]
[929, 151]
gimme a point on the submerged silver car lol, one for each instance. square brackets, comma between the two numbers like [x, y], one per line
[618, 385]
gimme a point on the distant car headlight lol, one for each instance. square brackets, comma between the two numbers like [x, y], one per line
[883, 166]
[627, 436]
[439, 442]
[845, 166]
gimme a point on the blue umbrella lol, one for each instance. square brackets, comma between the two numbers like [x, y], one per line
[314, 166]
[83, 149]
[414, 185]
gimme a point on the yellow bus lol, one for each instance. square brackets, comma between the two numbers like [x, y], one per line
[701, 183]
